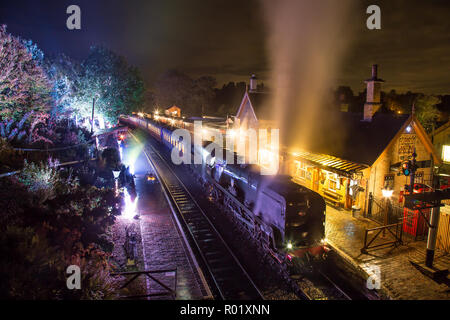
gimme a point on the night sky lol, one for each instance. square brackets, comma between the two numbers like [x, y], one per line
[227, 39]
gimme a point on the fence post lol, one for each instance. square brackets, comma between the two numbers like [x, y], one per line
[369, 209]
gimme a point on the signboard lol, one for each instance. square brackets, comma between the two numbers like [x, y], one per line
[406, 145]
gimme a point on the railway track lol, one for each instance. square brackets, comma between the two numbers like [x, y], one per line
[228, 277]
[321, 287]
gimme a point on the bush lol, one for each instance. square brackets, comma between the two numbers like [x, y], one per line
[51, 222]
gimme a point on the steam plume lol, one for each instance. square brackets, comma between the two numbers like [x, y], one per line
[306, 40]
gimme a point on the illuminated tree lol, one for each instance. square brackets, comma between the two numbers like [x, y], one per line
[64, 74]
[117, 87]
[23, 83]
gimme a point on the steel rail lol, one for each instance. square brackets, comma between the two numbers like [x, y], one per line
[229, 276]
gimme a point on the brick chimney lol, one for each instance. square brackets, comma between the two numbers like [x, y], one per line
[253, 84]
[373, 99]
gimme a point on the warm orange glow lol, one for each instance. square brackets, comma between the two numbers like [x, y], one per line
[446, 153]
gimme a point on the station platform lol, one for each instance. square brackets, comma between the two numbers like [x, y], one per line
[399, 278]
[163, 244]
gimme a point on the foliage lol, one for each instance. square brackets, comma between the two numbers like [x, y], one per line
[64, 73]
[43, 181]
[117, 87]
[192, 96]
[23, 83]
[36, 54]
[227, 99]
[41, 238]
[426, 110]
[111, 157]
[9, 130]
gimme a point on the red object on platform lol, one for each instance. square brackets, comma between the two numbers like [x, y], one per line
[414, 222]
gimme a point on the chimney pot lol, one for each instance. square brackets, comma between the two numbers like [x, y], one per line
[374, 71]
[253, 84]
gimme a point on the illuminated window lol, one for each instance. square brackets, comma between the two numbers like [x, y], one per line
[301, 170]
[446, 153]
[334, 181]
[352, 183]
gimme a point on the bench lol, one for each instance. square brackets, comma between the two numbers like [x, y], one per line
[332, 197]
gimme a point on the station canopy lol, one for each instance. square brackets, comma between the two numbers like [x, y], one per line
[330, 163]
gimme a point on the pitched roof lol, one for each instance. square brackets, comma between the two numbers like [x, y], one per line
[361, 141]
[259, 102]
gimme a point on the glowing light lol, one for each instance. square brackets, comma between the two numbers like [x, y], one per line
[446, 153]
[132, 155]
[387, 193]
[140, 114]
[324, 241]
[408, 129]
[131, 168]
[121, 151]
[231, 133]
[295, 154]
[156, 111]
[130, 207]
[289, 245]
[172, 122]
[116, 174]
[101, 122]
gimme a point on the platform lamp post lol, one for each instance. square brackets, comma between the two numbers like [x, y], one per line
[387, 194]
[116, 174]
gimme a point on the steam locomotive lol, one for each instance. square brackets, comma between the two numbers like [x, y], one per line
[286, 218]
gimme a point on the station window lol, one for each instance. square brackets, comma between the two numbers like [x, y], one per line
[446, 153]
[351, 186]
[334, 182]
[389, 181]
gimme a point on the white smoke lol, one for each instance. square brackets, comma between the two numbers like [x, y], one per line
[306, 41]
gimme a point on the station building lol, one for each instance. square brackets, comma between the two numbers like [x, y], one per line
[441, 142]
[369, 156]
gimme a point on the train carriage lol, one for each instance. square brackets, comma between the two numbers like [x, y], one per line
[288, 218]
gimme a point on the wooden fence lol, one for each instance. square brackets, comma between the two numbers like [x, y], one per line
[443, 236]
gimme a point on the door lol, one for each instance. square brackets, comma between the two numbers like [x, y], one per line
[315, 180]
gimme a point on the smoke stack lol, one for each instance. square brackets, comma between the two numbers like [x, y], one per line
[373, 98]
[253, 83]
[374, 71]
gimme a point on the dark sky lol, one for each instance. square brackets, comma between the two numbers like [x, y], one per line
[226, 39]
